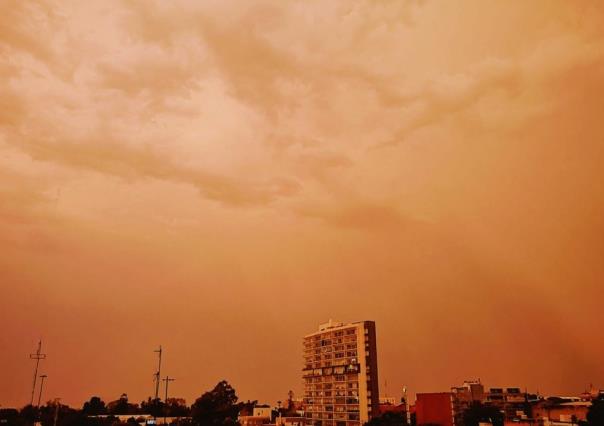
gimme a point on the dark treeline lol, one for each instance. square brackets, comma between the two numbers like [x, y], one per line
[216, 407]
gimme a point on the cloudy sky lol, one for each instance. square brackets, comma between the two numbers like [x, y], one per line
[220, 177]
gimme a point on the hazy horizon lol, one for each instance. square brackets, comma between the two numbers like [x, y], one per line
[221, 177]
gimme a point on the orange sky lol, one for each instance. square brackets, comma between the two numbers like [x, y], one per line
[220, 177]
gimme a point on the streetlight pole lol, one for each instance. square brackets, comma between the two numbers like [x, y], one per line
[168, 379]
[43, 376]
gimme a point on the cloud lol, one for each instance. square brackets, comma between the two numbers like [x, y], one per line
[220, 150]
[451, 94]
[248, 49]
[358, 215]
[23, 23]
[105, 155]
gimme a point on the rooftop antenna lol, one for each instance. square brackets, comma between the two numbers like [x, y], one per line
[37, 356]
[43, 376]
[168, 379]
[158, 373]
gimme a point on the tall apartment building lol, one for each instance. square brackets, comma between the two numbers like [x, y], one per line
[341, 375]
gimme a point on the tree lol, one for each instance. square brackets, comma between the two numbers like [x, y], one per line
[217, 407]
[122, 406]
[482, 413]
[177, 407]
[595, 414]
[388, 419]
[94, 407]
[9, 416]
[153, 406]
[65, 415]
[29, 413]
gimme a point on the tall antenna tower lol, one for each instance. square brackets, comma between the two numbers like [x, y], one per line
[37, 356]
[158, 373]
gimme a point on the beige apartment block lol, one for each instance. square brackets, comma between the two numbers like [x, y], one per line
[340, 374]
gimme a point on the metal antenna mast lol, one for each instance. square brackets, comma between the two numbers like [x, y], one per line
[158, 373]
[43, 376]
[37, 356]
[168, 379]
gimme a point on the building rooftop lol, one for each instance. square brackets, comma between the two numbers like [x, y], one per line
[334, 325]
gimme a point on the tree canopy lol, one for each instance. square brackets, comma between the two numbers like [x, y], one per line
[388, 419]
[595, 415]
[94, 407]
[478, 413]
[217, 407]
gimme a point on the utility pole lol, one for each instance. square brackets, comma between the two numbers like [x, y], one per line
[168, 379]
[37, 356]
[158, 373]
[408, 408]
[43, 376]
[57, 406]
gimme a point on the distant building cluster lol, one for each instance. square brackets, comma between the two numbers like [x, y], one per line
[341, 388]
[340, 376]
[515, 406]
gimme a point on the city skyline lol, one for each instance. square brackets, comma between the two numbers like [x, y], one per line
[218, 177]
[396, 391]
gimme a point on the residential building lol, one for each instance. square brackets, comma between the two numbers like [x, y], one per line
[387, 407]
[470, 392]
[561, 410]
[289, 421]
[341, 374]
[512, 401]
[262, 411]
[254, 420]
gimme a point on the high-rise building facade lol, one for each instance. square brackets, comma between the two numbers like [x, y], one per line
[341, 375]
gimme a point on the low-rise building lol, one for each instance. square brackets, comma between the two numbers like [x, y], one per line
[561, 410]
[470, 392]
[289, 421]
[388, 407]
[262, 411]
[434, 409]
[254, 420]
[511, 401]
